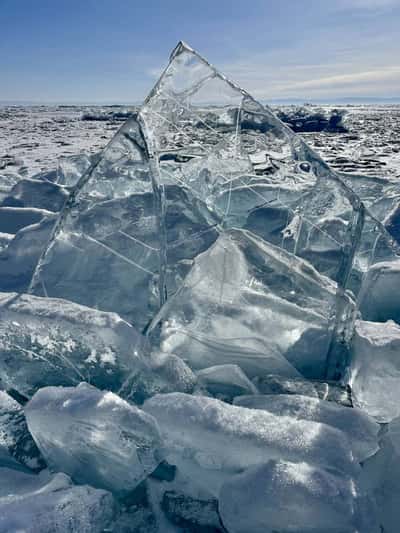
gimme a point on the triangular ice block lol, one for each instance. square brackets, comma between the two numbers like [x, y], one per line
[201, 157]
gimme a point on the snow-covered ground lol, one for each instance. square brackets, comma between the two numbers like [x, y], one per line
[32, 138]
[372, 145]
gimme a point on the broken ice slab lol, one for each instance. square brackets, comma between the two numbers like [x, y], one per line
[293, 497]
[375, 245]
[71, 168]
[19, 259]
[32, 503]
[17, 448]
[374, 373]
[250, 303]
[332, 391]
[158, 373]
[211, 137]
[119, 233]
[380, 195]
[12, 219]
[210, 440]
[192, 514]
[40, 194]
[118, 444]
[225, 382]
[47, 341]
[310, 119]
[274, 384]
[361, 430]
[105, 252]
[378, 298]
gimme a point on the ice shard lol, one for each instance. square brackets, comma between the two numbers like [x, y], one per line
[47, 341]
[210, 441]
[200, 157]
[94, 436]
[250, 303]
[295, 498]
[107, 250]
[53, 503]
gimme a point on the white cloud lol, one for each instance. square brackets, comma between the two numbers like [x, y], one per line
[383, 75]
[368, 4]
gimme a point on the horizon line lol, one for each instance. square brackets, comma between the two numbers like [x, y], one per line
[292, 100]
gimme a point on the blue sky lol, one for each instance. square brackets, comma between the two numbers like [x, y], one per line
[113, 50]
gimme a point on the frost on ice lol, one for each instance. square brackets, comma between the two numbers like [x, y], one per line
[51, 503]
[359, 428]
[57, 342]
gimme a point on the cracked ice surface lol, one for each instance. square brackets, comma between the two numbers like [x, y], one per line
[249, 302]
[201, 156]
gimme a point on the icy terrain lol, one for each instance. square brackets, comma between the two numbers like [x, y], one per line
[200, 329]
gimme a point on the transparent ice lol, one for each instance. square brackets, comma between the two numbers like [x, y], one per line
[225, 381]
[251, 303]
[57, 342]
[374, 372]
[200, 157]
[206, 250]
[94, 436]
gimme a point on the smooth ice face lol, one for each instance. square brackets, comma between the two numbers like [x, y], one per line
[40, 194]
[298, 498]
[120, 238]
[104, 249]
[51, 503]
[13, 219]
[201, 155]
[378, 298]
[250, 303]
[225, 381]
[17, 448]
[211, 137]
[118, 444]
[359, 428]
[71, 168]
[209, 440]
[380, 477]
[374, 373]
[159, 373]
[379, 194]
[19, 259]
[47, 341]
